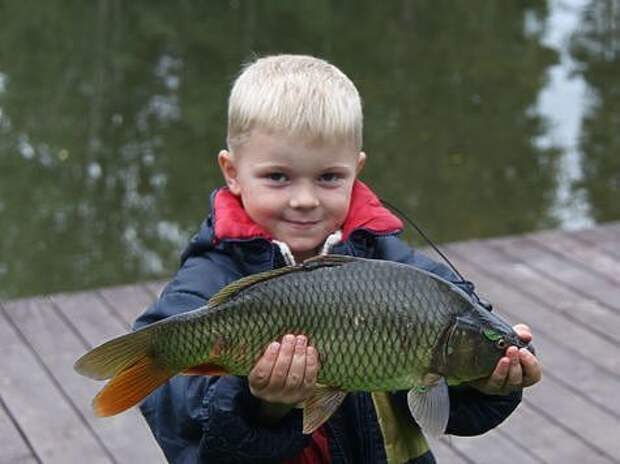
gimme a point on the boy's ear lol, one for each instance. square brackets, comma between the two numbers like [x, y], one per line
[361, 160]
[229, 171]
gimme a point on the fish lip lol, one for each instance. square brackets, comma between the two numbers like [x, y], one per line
[520, 343]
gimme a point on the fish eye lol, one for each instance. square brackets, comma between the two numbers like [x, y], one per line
[501, 343]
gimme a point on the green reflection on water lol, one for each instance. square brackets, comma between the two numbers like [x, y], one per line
[596, 47]
[112, 114]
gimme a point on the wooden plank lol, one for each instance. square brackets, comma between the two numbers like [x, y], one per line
[493, 447]
[601, 238]
[568, 247]
[128, 301]
[531, 433]
[444, 451]
[560, 270]
[593, 236]
[127, 436]
[156, 287]
[541, 436]
[574, 408]
[587, 425]
[56, 431]
[91, 319]
[611, 228]
[601, 234]
[12, 442]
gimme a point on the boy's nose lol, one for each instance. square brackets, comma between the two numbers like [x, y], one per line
[303, 198]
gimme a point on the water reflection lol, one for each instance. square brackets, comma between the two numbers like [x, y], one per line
[111, 115]
[563, 101]
[596, 48]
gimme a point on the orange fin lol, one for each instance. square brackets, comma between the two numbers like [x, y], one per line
[130, 386]
[321, 405]
[205, 369]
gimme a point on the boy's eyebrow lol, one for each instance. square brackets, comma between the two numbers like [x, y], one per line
[336, 167]
[277, 165]
[270, 165]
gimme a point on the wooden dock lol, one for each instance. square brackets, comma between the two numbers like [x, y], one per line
[565, 285]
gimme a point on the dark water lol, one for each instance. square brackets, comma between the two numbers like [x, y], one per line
[481, 119]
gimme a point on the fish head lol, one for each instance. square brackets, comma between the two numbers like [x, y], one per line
[474, 343]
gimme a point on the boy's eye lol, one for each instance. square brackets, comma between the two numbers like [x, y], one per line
[276, 176]
[329, 177]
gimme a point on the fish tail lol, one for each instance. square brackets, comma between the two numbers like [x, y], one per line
[130, 386]
[110, 358]
[131, 365]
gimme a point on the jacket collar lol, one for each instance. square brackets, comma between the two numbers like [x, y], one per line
[231, 222]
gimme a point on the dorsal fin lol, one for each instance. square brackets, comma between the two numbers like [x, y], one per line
[246, 282]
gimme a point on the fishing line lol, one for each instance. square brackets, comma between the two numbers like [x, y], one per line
[428, 240]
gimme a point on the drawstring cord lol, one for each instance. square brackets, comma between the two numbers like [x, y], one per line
[286, 253]
[289, 259]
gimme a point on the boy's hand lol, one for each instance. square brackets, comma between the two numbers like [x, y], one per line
[286, 373]
[516, 370]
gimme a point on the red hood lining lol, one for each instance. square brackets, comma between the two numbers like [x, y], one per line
[365, 212]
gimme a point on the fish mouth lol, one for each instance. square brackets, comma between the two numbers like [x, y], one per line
[520, 343]
[530, 347]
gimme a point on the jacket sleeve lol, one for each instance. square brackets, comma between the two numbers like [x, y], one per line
[471, 411]
[211, 419]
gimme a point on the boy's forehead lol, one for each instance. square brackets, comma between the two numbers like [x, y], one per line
[263, 144]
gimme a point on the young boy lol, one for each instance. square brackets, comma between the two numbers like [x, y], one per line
[294, 153]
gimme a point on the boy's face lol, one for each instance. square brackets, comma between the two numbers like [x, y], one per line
[299, 193]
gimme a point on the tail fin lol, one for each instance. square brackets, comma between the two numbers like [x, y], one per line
[106, 360]
[130, 386]
[128, 361]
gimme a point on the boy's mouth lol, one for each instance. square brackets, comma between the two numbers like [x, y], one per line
[301, 223]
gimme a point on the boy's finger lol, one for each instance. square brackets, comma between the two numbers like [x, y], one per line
[259, 376]
[515, 373]
[283, 363]
[497, 380]
[522, 328]
[524, 332]
[297, 369]
[500, 374]
[312, 368]
[532, 371]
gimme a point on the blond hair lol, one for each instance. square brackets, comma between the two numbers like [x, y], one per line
[297, 95]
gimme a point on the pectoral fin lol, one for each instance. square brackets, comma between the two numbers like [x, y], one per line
[319, 408]
[430, 406]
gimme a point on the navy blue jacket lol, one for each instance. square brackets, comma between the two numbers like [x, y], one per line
[211, 419]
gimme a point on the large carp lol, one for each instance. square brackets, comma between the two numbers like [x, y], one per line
[377, 326]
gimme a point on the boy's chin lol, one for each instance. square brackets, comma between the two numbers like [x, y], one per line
[301, 256]
[303, 247]
[302, 253]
